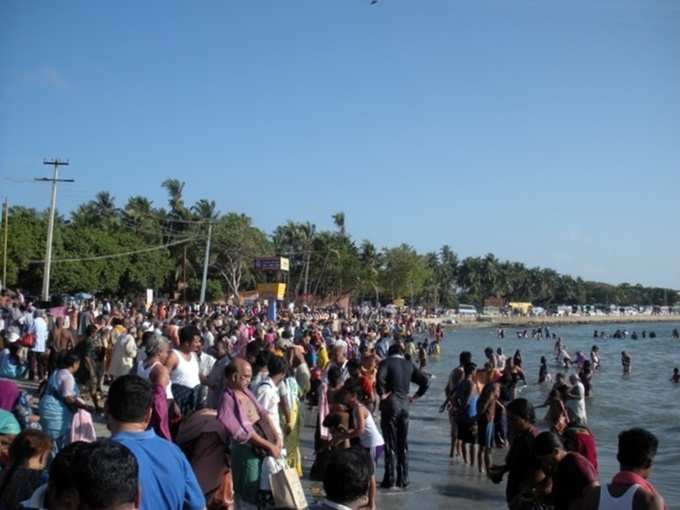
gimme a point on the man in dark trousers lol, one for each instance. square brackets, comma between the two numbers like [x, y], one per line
[395, 374]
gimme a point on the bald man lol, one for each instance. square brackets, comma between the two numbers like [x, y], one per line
[252, 434]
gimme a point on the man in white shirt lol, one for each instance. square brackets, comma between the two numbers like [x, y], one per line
[576, 403]
[38, 355]
[268, 393]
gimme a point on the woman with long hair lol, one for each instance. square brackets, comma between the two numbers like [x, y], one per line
[28, 455]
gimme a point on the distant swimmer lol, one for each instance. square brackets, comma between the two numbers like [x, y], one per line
[625, 362]
[634, 336]
[652, 334]
[676, 333]
[676, 375]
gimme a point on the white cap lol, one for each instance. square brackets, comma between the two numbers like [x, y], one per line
[12, 335]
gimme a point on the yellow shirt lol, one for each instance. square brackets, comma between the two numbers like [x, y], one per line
[323, 358]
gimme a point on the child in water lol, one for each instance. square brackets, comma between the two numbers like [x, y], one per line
[676, 375]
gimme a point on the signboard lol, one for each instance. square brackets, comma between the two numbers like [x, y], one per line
[271, 290]
[271, 264]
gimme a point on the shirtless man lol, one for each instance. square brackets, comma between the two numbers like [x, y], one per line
[248, 426]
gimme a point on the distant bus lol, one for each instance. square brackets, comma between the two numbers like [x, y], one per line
[467, 310]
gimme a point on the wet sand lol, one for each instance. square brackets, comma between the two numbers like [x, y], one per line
[436, 481]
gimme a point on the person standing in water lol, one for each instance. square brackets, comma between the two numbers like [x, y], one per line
[543, 374]
[466, 402]
[676, 375]
[395, 375]
[455, 378]
[595, 357]
[625, 362]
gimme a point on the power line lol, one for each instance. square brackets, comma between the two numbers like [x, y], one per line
[121, 254]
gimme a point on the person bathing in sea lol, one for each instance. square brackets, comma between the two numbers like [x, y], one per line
[543, 373]
[676, 375]
[566, 359]
[559, 347]
[595, 357]
[625, 362]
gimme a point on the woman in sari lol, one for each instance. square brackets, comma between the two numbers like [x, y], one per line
[60, 402]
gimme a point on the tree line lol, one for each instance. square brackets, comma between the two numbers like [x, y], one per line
[163, 248]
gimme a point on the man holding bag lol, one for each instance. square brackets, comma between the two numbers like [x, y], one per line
[253, 435]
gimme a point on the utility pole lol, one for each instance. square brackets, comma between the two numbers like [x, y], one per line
[204, 283]
[4, 249]
[50, 226]
[184, 276]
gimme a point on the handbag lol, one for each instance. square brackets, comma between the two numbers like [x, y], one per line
[82, 428]
[287, 490]
[27, 340]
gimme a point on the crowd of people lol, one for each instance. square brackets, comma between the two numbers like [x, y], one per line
[204, 403]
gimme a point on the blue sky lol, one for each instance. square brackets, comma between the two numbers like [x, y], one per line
[545, 132]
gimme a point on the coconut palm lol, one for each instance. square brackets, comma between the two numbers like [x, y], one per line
[339, 220]
[205, 210]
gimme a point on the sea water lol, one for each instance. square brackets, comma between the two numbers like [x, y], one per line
[646, 399]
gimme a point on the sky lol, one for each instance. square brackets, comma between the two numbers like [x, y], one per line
[543, 132]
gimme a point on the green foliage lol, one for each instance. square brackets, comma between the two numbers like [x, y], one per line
[236, 242]
[405, 272]
[322, 263]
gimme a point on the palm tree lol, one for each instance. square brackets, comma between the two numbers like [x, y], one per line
[307, 232]
[371, 260]
[205, 210]
[138, 207]
[106, 204]
[339, 220]
[100, 212]
[175, 188]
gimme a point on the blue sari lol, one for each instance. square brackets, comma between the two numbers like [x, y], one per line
[56, 415]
